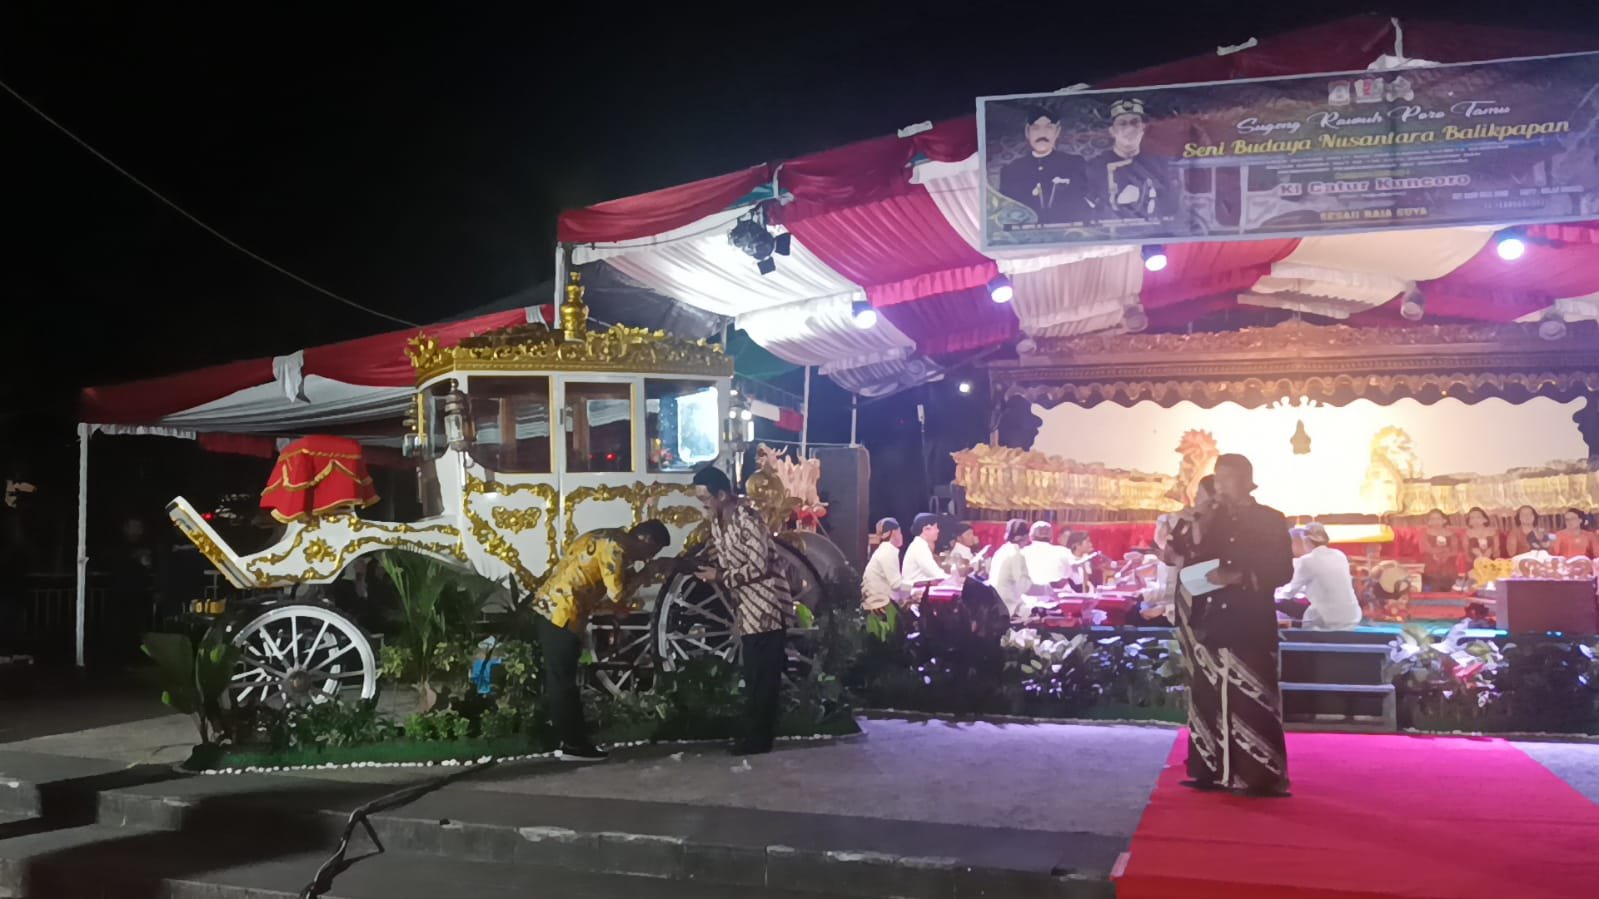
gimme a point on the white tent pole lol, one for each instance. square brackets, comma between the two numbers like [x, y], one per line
[805, 414]
[854, 413]
[85, 431]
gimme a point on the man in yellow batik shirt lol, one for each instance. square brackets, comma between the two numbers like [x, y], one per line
[593, 571]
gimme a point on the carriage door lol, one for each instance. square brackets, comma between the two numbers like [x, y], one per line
[599, 452]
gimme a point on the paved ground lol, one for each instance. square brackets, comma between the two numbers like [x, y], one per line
[60, 702]
[1575, 763]
[1040, 777]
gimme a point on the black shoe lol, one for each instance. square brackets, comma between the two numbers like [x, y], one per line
[1202, 784]
[750, 747]
[587, 752]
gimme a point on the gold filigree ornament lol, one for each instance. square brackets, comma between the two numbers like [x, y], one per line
[318, 550]
[493, 541]
[516, 520]
[536, 347]
[1485, 571]
[643, 502]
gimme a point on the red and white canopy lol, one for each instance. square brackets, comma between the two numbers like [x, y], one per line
[318, 389]
[895, 221]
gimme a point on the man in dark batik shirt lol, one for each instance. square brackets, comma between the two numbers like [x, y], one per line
[1236, 722]
[743, 554]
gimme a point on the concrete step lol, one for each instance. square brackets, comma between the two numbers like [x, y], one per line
[831, 854]
[115, 862]
[285, 815]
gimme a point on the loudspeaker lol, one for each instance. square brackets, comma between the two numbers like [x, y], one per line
[845, 487]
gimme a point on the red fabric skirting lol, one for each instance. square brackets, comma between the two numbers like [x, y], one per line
[316, 475]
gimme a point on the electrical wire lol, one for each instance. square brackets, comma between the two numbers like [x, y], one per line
[191, 217]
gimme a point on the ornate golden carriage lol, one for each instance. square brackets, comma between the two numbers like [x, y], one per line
[523, 438]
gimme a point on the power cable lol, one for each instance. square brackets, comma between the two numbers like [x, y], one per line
[191, 217]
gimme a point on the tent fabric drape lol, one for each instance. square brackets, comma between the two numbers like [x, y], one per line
[337, 384]
[1492, 289]
[822, 332]
[953, 322]
[662, 210]
[899, 248]
[897, 220]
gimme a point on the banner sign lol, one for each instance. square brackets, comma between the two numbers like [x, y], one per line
[1492, 143]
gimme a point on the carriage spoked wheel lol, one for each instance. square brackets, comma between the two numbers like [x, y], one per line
[693, 618]
[301, 654]
[623, 661]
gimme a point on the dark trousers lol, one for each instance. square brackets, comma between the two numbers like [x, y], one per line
[765, 657]
[562, 649]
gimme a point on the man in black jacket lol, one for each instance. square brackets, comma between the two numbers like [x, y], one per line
[1238, 740]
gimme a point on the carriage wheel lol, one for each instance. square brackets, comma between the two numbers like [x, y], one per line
[693, 618]
[301, 654]
[622, 658]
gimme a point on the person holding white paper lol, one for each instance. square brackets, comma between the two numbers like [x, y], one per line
[1235, 701]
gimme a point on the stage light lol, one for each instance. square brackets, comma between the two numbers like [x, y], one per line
[1551, 326]
[745, 414]
[863, 315]
[1000, 290]
[1414, 306]
[1154, 258]
[1510, 246]
[964, 387]
[752, 238]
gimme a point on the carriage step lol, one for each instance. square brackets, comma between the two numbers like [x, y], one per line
[97, 860]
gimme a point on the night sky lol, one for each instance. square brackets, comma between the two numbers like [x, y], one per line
[416, 161]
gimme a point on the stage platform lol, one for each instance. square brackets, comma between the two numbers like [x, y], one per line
[931, 809]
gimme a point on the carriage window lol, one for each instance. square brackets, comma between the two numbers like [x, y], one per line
[599, 427]
[681, 423]
[511, 424]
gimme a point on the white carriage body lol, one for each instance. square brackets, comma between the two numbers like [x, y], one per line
[633, 411]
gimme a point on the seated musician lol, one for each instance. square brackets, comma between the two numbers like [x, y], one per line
[1323, 576]
[920, 567]
[1080, 558]
[881, 584]
[1572, 540]
[1008, 573]
[963, 559]
[1046, 562]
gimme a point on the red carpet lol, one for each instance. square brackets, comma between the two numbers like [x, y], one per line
[1373, 815]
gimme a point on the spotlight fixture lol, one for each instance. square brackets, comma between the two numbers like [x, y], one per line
[1510, 245]
[1551, 326]
[1414, 306]
[964, 387]
[863, 315]
[1154, 258]
[751, 236]
[1001, 290]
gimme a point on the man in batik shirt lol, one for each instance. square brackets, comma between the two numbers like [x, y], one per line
[743, 560]
[1236, 720]
[594, 570]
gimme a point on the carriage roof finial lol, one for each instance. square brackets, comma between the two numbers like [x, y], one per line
[574, 312]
